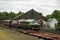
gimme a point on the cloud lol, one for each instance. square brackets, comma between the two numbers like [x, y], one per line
[43, 6]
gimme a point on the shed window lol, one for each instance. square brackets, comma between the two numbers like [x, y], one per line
[32, 13]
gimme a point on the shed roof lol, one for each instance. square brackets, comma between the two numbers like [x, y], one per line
[31, 14]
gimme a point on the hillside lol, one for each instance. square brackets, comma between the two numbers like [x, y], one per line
[6, 34]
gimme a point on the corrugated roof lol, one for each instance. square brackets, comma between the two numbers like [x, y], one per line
[31, 14]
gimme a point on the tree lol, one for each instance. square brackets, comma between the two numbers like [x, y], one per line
[4, 13]
[48, 16]
[19, 13]
[12, 15]
[56, 14]
[0, 14]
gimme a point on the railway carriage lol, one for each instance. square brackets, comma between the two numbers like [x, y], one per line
[29, 24]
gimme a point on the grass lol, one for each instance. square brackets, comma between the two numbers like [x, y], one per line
[6, 34]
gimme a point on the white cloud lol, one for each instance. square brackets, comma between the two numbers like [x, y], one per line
[44, 6]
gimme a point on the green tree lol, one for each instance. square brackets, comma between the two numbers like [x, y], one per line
[48, 16]
[1, 14]
[19, 13]
[56, 14]
[4, 13]
[12, 15]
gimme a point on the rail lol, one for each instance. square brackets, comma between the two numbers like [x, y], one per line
[40, 35]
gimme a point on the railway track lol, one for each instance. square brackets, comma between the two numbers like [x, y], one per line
[50, 31]
[40, 35]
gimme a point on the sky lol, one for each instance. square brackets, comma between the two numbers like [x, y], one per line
[44, 6]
